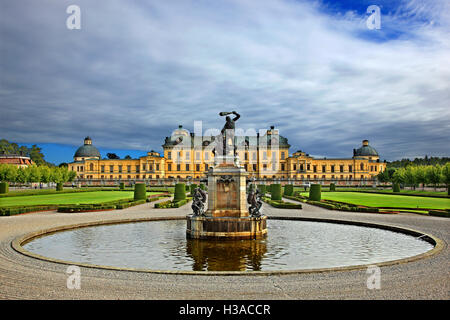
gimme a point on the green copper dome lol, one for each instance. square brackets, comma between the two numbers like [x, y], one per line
[87, 150]
[365, 150]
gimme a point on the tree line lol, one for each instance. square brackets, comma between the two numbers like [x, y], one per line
[426, 161]
[41, 174]
[34, 153]
[416, 175]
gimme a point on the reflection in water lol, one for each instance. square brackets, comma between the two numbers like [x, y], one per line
[162, 245]
[231, 255]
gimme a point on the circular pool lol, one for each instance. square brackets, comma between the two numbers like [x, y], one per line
[291, 245]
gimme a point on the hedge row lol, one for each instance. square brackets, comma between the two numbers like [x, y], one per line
[172, 204]
[440, 213]
[282, 204]
[53, 191]
[333, 205]
[9, 211]
[119, 204]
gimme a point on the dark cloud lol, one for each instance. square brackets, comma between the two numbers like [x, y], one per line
[135, 71]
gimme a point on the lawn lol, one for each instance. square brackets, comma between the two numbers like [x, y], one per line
[69, 198]
[385, 200]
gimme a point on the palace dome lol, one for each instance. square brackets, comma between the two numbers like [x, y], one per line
[365, 150]
[87, 150]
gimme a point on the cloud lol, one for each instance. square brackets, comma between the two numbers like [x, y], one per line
[136, 70]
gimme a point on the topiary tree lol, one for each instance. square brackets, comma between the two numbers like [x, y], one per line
[122, 186]
[4, 187]
[332, 187]
[202, 186]
[180, 192]
[315, 192]
[262, 188]
[395, 187]
[193, 187]
[276, 191]
[289, 190]
[59, 186]
[140, 192]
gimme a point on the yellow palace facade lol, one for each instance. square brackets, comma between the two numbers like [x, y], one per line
[188, 157]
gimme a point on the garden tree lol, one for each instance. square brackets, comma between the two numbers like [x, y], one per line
[399, 176]
[128, 157]
[112, 156]
[434, 175]
[421, 176]
[410, 176]
[63, 164]
[45, 174]
[36, 155]
[446, 176]
[8, 173]
[22, 175]
[34, 174]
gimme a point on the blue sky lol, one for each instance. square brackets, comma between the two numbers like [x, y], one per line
[137, 69]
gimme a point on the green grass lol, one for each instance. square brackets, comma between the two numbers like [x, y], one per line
[69, 198]
[417, 191]
[386, 200]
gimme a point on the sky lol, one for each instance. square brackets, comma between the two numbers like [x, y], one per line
[135, 70]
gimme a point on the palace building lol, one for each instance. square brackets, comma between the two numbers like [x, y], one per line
[188, 157]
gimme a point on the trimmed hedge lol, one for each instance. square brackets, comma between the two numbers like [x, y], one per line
[315, 193]
[202, 186]
[282, 204]
[192, 188]
[275, 192]
[332, 187]
[122, 186]
[9, 211]
[4, 187]
[262, 188]
[172, 204]
[59, 186]
[440, 213]
[180, 192]
[140, 192]
[396, 187]
[288, 190]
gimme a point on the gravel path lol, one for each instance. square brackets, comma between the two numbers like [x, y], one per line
[23, 277]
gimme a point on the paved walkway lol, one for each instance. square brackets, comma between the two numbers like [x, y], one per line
[23, 277]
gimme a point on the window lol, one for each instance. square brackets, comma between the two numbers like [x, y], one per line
[102, 169]
[157, 167]
[314, 168]
[120, 169]
[324, 168]
[294, 167]
[110, 177]
[264, 155]
[282, 155]
[246, 167]
[169, 155]
[169, 167]
[138, 168]
[206, 166]
[302, 167]
[187, 167]
[128, 169]
[264, 167]
[282, 167]
[144, 167]
[197, 167]
[332, 168]
[254, 156]
[197, 156]
[341, 168]
[111, 169]
[254, 167]
[362, 166]
[308, 167]
[91, 167]
[350, 169]
[178, 167]
[245, 156]
[188, 155]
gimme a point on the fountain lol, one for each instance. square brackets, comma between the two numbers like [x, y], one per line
[227, 216]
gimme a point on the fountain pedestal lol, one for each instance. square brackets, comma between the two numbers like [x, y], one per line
[227, 216]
